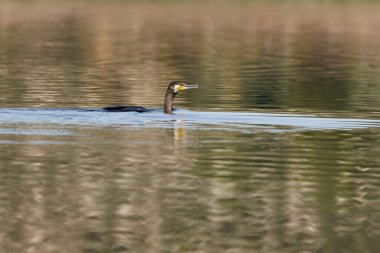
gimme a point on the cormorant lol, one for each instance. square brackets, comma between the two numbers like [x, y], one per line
[172, 90]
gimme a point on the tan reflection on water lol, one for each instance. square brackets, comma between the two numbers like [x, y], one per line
[172, 190]
[303, 57]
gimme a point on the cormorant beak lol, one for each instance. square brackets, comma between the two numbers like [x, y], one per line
[187, 86]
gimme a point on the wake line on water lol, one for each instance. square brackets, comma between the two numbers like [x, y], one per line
[230, 121]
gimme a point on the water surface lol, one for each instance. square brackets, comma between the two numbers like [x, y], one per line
[277, 151]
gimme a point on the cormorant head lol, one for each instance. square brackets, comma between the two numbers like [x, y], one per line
[178, 86]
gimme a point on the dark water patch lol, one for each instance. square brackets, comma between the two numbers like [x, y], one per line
[46, 132]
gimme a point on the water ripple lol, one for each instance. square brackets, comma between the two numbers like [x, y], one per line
[228, 121]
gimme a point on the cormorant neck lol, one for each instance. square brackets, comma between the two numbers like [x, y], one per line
[168, 104]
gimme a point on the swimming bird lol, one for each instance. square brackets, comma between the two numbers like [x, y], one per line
[173, 88]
